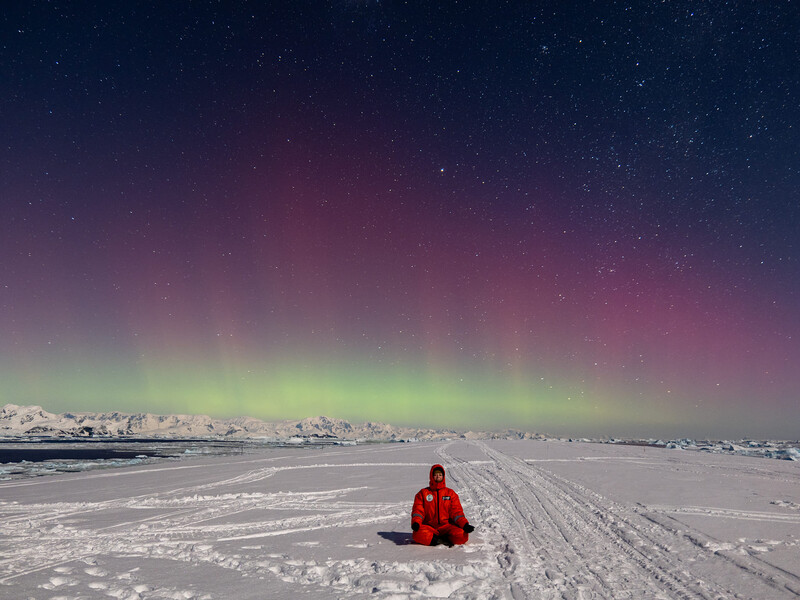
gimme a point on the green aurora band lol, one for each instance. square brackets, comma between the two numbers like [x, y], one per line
[356, 390]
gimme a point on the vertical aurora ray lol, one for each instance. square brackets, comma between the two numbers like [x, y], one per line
[312, 317]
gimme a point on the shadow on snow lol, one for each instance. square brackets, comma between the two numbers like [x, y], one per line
[401, 538]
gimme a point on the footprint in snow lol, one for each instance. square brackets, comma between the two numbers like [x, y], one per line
[58, 582]
[64, 570]
[97, 585]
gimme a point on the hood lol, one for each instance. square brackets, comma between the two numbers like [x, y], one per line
[437, 485]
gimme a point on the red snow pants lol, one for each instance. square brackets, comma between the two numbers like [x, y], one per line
[425, 533]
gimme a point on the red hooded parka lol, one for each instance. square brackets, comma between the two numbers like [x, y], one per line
[438, 510]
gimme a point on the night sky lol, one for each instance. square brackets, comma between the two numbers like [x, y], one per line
[566, 217]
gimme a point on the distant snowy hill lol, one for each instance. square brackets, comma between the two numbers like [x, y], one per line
[30, 421]
[33, 420]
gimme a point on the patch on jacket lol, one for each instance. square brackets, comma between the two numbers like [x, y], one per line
[445, 497]
[429, 497]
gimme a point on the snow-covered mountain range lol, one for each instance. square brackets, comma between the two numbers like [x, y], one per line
[34, 420]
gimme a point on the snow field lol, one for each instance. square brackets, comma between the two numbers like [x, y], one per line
[554, 520]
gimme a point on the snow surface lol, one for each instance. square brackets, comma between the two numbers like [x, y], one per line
[553, 520]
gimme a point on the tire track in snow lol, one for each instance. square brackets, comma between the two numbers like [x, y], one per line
[686, 547]
[739, 556]
[559, 540]
[748, 515]
[522, 536]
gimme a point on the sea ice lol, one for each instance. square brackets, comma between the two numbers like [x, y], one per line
[553, 520]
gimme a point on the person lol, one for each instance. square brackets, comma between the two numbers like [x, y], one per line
[437, 516]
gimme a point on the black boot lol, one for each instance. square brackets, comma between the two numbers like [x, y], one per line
[436, 540]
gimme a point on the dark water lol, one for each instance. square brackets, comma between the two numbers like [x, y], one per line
[15, 455]
[86, 450]
[21, 459]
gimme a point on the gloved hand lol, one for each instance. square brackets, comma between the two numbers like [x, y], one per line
[415, 526]
[468, 528]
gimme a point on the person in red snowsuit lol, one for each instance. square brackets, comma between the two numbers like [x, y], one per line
[437, 516]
